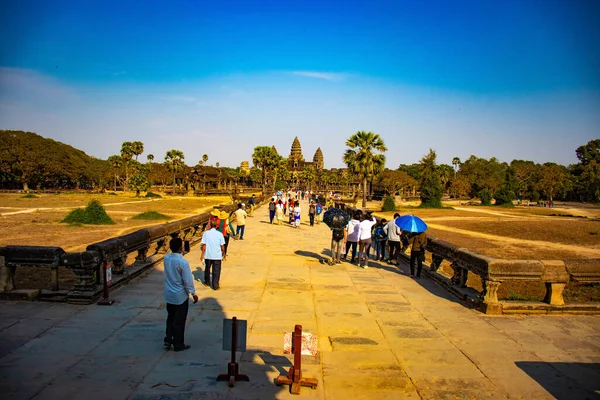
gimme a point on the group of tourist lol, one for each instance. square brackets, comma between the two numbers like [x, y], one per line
[356, 238]
[364, 232]
[279, 206]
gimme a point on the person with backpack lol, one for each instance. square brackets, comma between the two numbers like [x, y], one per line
[225, 228]
[394, 238]
[272, 208]
[312, 210]
[352, 236]
[380, 239]
[338, 238]
[319, 210]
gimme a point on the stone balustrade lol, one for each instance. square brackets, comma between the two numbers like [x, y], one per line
[88, 265]
[555, 274]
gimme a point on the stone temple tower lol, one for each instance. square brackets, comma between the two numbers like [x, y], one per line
[318, 159]
[296, 160]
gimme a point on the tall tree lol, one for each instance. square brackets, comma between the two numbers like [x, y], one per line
[364, 157]
[137, 148]
[456, 164]
[174, 161]
[205, 158]
[589, 152]
[150, 157]
[116, 164]
[308, 176]
[126, 154]
[431, 188]
[554, 179]
[266, 159]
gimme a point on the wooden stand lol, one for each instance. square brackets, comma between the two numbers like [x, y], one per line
[233, 367]
[294, 376]
[105, 301]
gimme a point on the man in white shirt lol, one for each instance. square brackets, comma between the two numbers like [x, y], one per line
[213, 252]
[179, 284]
[240, 221]
[393, 237]
[364, 239]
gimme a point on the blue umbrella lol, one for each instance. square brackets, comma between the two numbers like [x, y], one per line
[410, 223]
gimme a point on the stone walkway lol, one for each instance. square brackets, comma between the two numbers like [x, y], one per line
[382, 335]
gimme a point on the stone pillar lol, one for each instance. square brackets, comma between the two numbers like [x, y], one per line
[7, 276]
[142, 255]
[490, 297]
[119, 265]
[460, 275]
[436, 261]
[554, 294]
[85, 266]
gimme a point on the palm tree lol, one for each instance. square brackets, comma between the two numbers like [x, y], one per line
[126, 154]
[362, 159]
[265, 158]
[137, 148]
[116, 163]
[150, 158]
[174, 160]
[204, 158]
[308, 176]
[456, 163]
[217, 164]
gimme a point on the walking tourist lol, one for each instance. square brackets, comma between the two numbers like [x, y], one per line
[417, 253]
[251, 204]
[213, 252]
[280, 212]
[352, 236]
[179, 285]
[297, 214]
[272, 208]
[312, 210]
[225, 228]
[380, 240]
[319, 209]
[338, 237]
[393, 233]
[364, 239]
[240, 221]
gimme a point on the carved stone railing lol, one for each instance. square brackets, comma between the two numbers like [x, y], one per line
[555, 274]
[149, 245]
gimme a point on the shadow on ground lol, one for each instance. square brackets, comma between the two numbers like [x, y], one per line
[565, 380]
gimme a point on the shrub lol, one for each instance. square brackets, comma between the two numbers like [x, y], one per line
[112, 194]
[150, 194]
[151, 215]
[486, 197]
[389, 204]
[92, 214]
[29, 196]
[504, 197]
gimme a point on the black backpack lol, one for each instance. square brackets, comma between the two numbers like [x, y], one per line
[271, 206]
[338, 234]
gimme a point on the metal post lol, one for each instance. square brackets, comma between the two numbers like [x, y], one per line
[105, 301]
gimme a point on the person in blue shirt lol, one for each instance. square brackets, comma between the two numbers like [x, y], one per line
[213, 252]
[179, 284]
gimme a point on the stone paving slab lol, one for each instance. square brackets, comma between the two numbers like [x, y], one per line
[380, 334]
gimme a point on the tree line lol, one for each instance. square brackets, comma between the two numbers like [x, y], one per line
[28, 160]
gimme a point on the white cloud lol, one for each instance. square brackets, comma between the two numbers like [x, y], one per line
[329, 76]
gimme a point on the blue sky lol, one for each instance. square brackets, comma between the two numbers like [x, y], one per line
[511, 79]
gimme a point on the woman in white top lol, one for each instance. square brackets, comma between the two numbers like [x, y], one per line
[364, 240]
[352, 239]
[279, 211]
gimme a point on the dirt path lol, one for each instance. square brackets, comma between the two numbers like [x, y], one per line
[533, 243]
